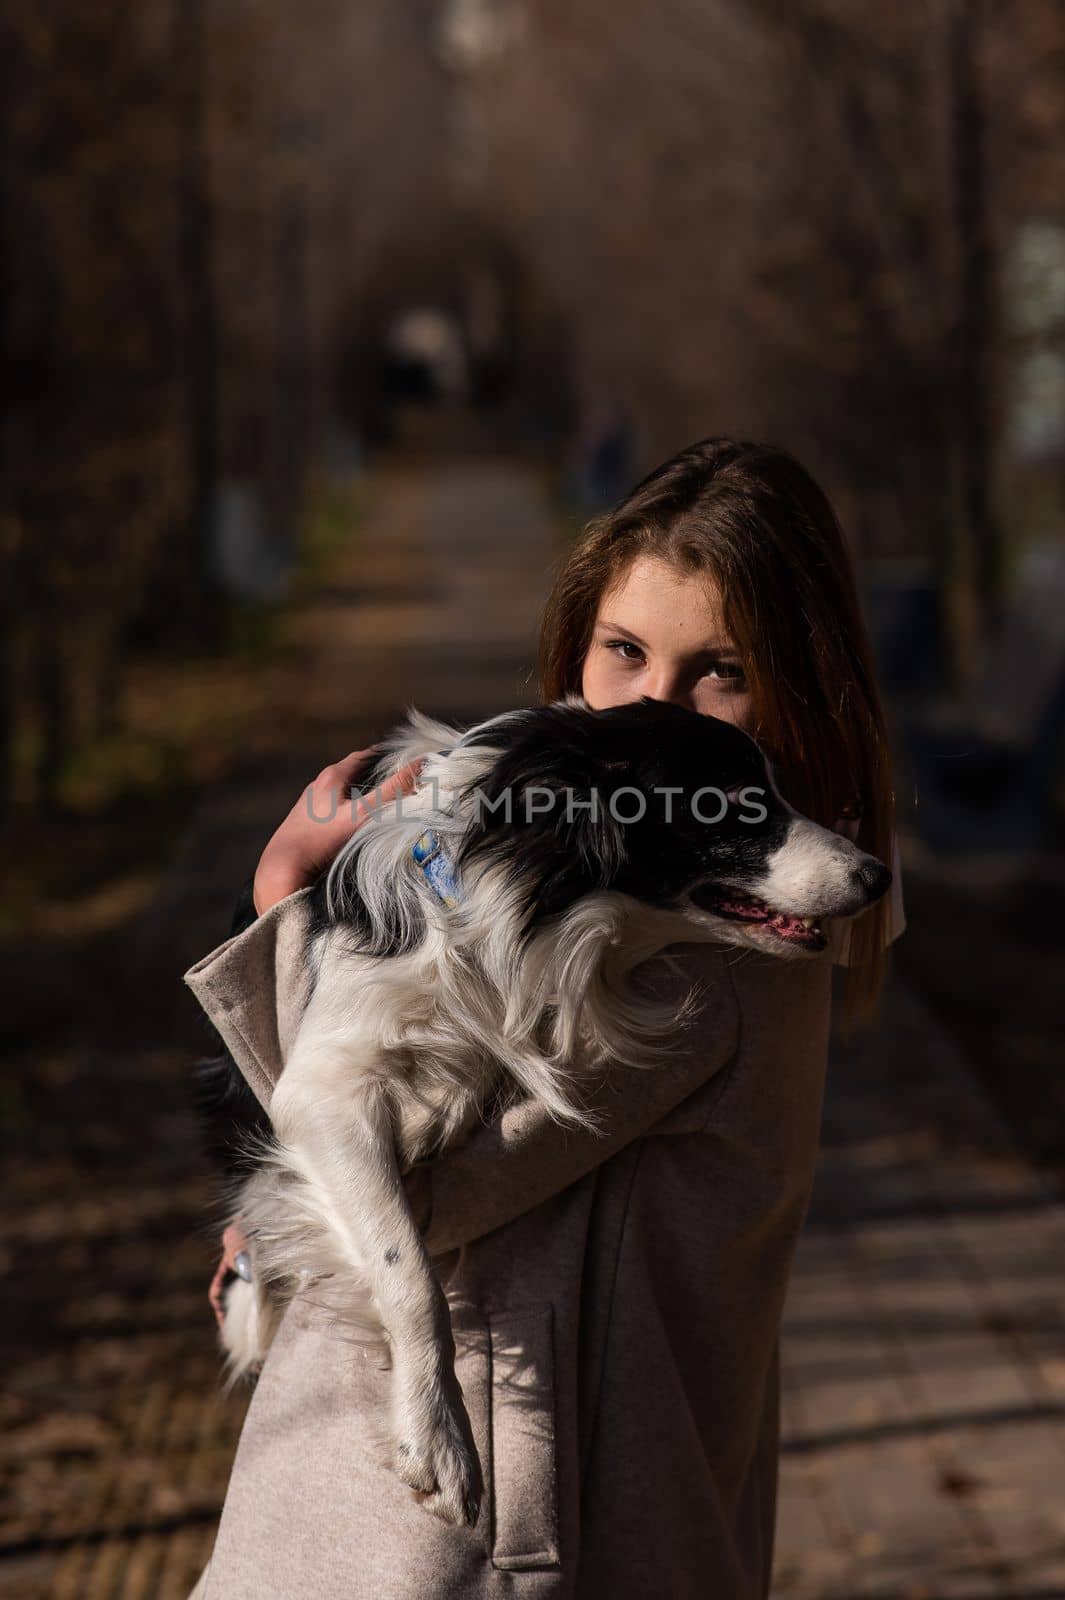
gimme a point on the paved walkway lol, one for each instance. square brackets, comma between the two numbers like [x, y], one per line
[924, 1355]
[924, 1342]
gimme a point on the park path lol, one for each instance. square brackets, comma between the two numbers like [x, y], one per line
[924, 1341]
[924, 1362]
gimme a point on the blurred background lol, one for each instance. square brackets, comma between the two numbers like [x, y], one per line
[324, 332]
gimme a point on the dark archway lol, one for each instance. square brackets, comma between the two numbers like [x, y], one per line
[486, 315]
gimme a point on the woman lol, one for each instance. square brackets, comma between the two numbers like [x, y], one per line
[616, 1298]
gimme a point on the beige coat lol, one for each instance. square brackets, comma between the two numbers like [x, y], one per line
[616, 1303]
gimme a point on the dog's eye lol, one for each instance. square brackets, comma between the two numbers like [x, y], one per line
[750, 800]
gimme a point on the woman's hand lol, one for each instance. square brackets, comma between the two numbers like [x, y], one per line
[234, 1259]
[320, 824]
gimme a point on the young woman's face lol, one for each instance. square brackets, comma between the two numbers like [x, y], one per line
[660, 632]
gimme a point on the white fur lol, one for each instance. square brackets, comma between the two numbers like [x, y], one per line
[813, 874]
[251, 1319]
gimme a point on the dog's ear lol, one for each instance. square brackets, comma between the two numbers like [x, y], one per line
[542, 813]
[415, 737]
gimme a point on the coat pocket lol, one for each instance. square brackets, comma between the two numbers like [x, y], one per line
[524, 1470]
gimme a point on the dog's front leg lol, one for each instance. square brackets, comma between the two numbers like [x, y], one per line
[337, 1132]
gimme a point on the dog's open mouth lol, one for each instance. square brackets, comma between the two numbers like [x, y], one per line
[736, 906]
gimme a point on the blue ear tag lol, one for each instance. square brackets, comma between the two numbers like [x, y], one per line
[429, 854]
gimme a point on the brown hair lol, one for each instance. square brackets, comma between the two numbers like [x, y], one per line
[754, 520]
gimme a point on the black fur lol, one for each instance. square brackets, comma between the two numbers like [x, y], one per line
[644, 745]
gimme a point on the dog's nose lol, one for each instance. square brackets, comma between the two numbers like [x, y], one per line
[872, 878]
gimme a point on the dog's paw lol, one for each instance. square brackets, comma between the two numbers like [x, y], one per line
[247, 1330]
[435, 1455]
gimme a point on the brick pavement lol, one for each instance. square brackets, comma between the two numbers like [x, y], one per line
[924, 1341]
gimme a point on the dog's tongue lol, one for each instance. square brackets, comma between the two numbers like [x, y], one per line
[748, 909]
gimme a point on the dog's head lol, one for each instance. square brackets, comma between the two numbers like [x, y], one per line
[678, 810]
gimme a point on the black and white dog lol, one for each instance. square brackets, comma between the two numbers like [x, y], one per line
[482, 937]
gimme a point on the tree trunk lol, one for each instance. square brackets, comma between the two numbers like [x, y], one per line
[974, 575]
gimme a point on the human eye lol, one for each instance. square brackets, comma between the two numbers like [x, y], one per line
[730, 672]
[620, 646]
